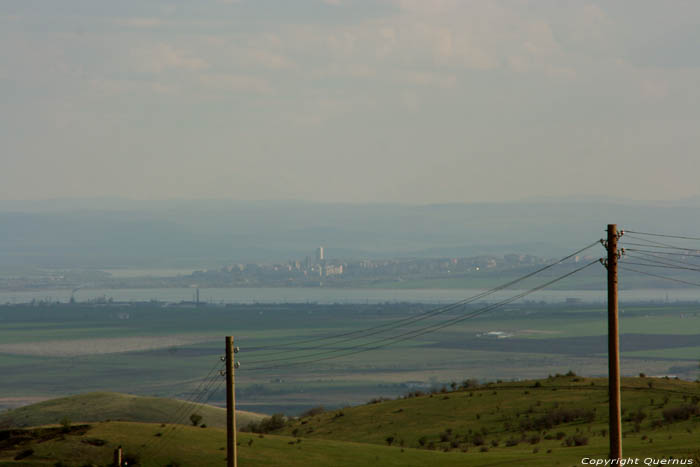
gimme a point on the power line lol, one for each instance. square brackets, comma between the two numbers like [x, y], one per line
[661, 259]
[654, 264]
[421, 331]
[422, 316]
[682, 237]
[659, 244]
[184, 408]
[169, 441]
[166, 437]
[660, 276]
[662, 252]
[671, 247]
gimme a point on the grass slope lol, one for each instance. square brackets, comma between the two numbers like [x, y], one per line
[102, 406]
[526, 419]
[515, 423]
[189, 446]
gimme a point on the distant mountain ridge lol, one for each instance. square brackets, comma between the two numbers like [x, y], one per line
[84, 233]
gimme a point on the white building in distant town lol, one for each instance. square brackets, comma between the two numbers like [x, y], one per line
[331, 270]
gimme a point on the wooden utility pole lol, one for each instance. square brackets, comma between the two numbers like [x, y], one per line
[231, 454]
[613, 347]
[117, 462]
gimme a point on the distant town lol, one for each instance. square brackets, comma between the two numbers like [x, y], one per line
[314, 270]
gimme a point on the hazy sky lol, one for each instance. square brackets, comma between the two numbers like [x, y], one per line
[416, 101]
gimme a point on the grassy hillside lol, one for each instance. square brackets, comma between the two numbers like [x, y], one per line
[555, 421]
[543, 418]
[189, 446]
[102, 406]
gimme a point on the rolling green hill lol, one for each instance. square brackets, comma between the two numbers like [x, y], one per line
[153, 445]
[536, 418]
[554, 422]
[102, 406]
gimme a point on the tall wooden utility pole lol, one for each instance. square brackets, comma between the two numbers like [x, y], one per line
[231, 454]
[613, 346]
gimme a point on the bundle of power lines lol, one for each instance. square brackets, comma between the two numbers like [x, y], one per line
[208, 386]
[313, 350]
[648, 255]
[639, 250]
[309, 351]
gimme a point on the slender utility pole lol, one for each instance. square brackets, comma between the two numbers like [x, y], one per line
[117, 457]
[231, 454]
[613, 347]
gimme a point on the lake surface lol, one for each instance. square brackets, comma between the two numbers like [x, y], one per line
[329, 295]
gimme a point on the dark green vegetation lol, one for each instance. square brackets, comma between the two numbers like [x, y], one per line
[156, 350]
[660, 417]
[105, 406]
[553, 421]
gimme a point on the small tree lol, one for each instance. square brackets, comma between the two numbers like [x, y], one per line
[195, 418]
[65, 424]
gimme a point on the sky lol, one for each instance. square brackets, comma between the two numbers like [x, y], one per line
[411, 101]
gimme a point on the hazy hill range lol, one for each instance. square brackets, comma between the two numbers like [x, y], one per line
[108, 233]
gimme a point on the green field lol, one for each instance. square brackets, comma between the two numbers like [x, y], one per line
[157, 350]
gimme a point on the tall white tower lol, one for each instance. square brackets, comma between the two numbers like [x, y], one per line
[319, 254]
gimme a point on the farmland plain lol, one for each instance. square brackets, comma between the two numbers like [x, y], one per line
[49, 350]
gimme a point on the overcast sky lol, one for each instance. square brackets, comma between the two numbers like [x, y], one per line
[416, 101]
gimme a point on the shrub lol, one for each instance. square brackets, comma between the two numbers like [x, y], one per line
[376, 400]
[312, 412]
[557, 417]
[470, 383]
[389, 440]
[195, 418]
[684, 412]
[266, 425]
[576, 440]
[422, 440]
[636, 417]
[512, 441]
[65, 424]
[478, 440]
